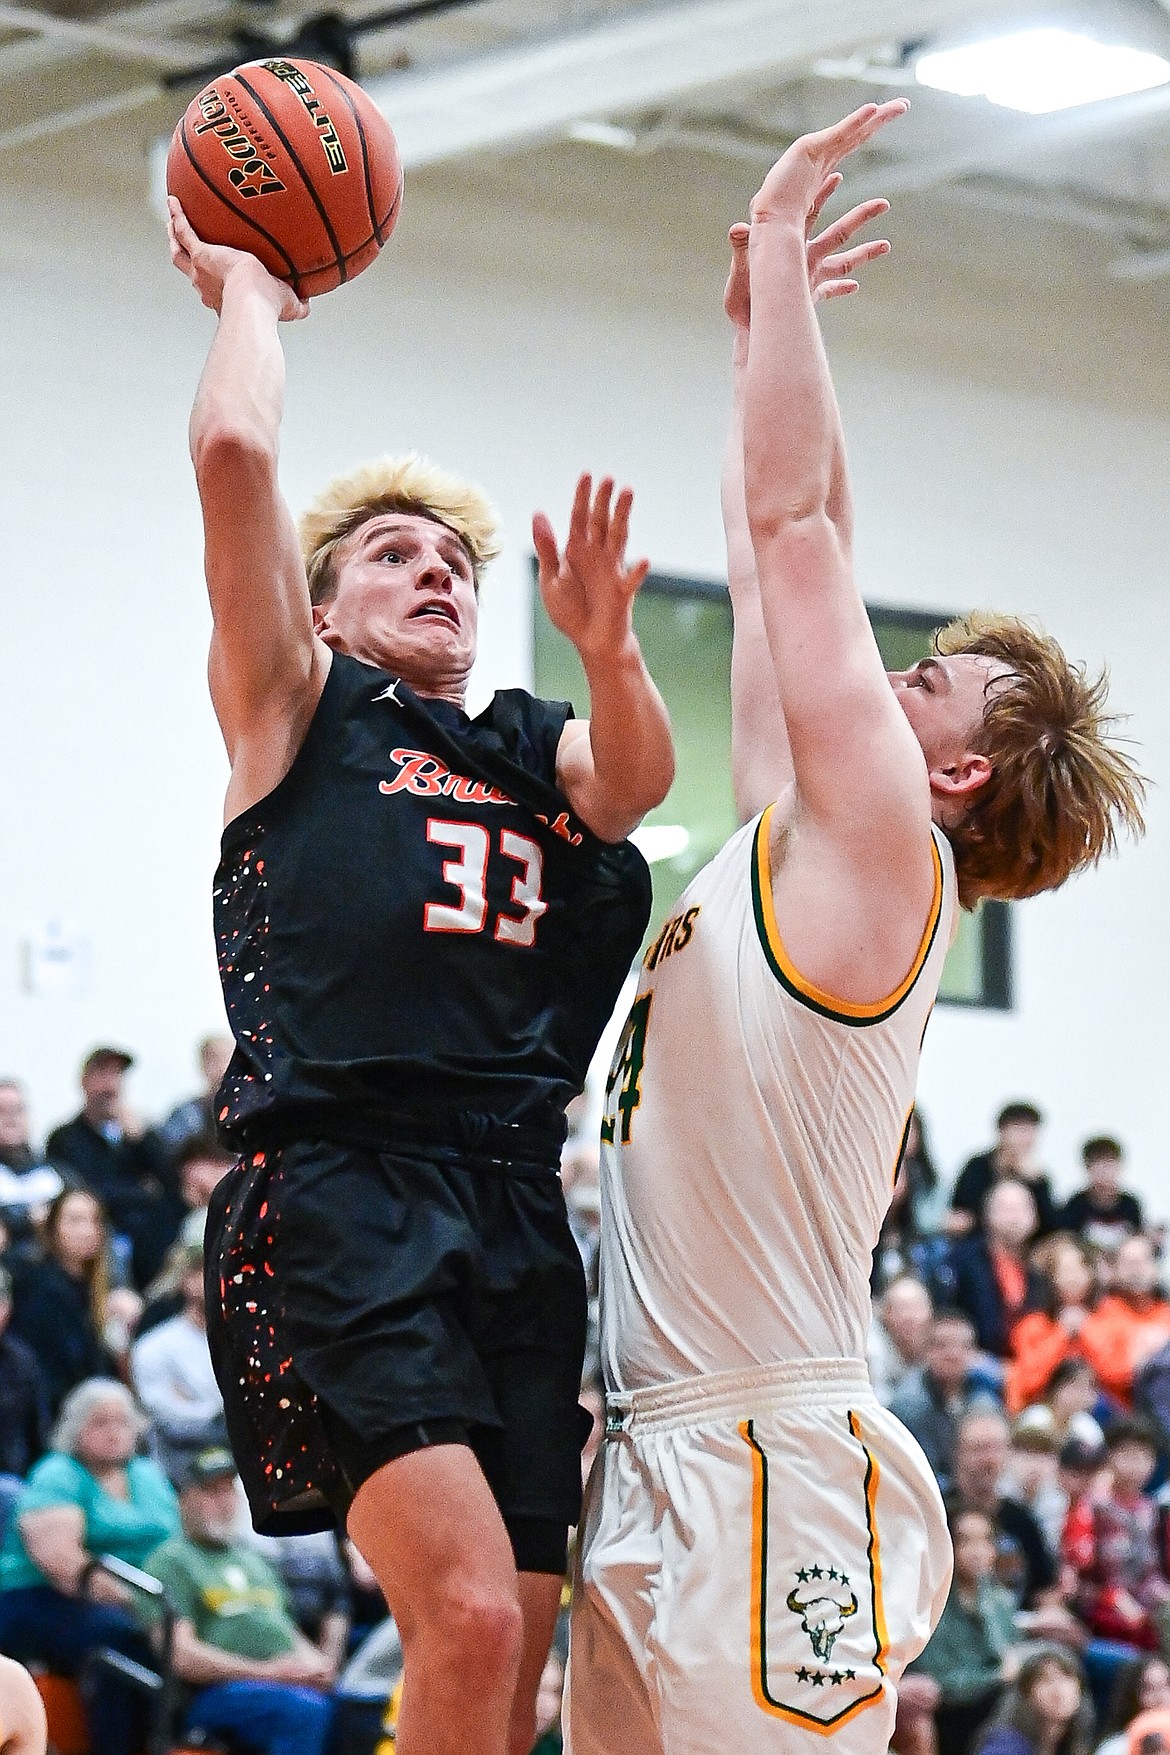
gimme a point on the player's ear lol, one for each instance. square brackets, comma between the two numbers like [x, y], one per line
[960, 779]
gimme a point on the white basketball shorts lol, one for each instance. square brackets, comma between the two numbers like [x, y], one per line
[761, 1555]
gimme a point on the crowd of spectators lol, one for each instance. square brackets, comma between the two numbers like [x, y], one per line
[113, 1456]
[1024, 1342]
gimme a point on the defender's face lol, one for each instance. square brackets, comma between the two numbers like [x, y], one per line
[406, 601]
[944, 699]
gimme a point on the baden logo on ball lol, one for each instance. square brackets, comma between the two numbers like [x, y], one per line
[292, 162]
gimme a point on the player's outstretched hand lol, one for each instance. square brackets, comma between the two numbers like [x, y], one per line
[207, 267]
[589, 590]
[831, 266]
[793, 187]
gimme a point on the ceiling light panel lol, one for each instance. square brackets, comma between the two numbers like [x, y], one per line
[1039, 71]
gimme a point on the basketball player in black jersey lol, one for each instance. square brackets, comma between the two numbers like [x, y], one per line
[423, 922]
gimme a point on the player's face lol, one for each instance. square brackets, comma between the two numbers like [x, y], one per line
[405, 600]
[944, 700]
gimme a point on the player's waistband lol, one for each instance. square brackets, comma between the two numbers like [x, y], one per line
[741, 1395]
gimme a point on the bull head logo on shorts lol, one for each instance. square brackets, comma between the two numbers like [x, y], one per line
[823, 1612]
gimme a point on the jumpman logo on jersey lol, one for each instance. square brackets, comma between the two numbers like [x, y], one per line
[391, 693]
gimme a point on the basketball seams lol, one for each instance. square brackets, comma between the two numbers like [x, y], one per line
[306, 181]
[237, 212]
[382, 227]
[361, 134]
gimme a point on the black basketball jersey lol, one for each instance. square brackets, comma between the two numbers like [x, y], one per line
[416, 936]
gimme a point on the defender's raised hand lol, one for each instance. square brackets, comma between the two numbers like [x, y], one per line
[589, 590]
[793, 188]
[207, 267]
[831, 267]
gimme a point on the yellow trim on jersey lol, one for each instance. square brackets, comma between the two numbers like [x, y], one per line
[759, 1592]
[873, 1476]
[844, 1011]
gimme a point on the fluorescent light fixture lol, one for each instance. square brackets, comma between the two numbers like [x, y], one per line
[659, 841]
[1042, 70]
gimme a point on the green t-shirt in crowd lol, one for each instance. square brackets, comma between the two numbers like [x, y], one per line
[128, 1528]
[231, 1596]
[967, 1648]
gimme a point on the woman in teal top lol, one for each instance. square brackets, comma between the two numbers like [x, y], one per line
[90, 1495]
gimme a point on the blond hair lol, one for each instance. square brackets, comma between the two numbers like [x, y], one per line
[410, 484]
[1061, 787]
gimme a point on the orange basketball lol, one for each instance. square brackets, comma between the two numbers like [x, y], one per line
[293, 162]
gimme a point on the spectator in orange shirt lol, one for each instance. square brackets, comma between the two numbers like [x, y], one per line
[1042, 1339]
[1129, 1324]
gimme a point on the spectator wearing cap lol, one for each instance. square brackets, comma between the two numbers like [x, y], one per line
[121, 1163]
[1130, 1323]
[933, 1398]
[1102, 1212]
[1041, 1339]
[61, 1303]
[1112, 1540]
[1017, 1129]
[195, 1118]
[256, 1677]
[27, 1182]
[1033, 1472]
[89, 1495]
[1025, 1563]
[898, 1335]
[994, 1280]
[170, 1368]
[24, 1405]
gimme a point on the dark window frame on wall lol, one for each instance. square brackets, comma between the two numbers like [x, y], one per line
[982, 969]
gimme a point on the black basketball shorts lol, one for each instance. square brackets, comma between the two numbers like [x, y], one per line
[366, 1303]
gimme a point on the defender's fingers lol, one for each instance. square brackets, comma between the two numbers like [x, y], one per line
[847, 262]
[599, 514]
[580, 514]
[619, 530]
[836, 289]
[739, 234]
[847, 226]
[833, 144]
[829, 187]
[636, 575]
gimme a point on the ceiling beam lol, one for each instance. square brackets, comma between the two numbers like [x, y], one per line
[139, 22]
[647, 57]
[119, 45]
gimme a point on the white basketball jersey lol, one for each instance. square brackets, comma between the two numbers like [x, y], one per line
[751, 1135]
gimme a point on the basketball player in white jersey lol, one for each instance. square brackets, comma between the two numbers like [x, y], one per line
[763, 1547]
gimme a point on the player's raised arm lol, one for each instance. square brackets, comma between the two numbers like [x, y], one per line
[267, 669]
[619, 763]
[761, 760]
[856, 762]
